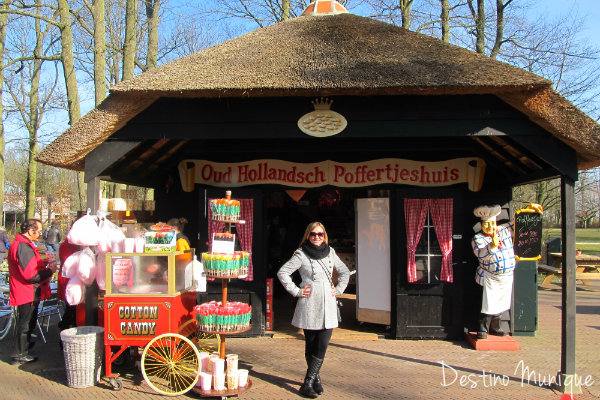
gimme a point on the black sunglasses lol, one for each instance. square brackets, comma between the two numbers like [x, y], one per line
[315, 234]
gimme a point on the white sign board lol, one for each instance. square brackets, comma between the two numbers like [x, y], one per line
[373, 266]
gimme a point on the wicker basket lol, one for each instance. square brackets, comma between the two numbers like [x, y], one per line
[83, 350]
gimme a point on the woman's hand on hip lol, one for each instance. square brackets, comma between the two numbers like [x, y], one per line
[306, 290]
[333, 291]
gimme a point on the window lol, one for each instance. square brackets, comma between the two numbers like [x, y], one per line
[428, 255]
[428, 240]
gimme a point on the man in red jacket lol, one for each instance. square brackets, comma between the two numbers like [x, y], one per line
[29, 284]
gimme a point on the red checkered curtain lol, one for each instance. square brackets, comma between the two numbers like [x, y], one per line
[415, 213]
[244, 231]
[441, 214]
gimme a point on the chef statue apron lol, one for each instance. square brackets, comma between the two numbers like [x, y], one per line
[493, 247]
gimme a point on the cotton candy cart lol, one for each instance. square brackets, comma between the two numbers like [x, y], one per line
[149, 305]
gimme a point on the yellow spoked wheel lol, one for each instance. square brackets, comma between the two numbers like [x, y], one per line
[171, 364]
[208, 342]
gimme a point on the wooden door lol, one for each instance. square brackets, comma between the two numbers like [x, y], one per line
[428, 307]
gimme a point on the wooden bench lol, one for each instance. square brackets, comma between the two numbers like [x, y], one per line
[584, 273]
[550, 271]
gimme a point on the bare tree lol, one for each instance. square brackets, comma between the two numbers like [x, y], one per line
[3, 23]
[31, 98]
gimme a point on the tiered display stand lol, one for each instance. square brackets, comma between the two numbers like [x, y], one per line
[222, 350]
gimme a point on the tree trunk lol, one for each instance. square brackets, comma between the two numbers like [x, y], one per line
[479, 18]
[34, 122]
[3, 22]
[500, 6]
[98, 9]
[66, 35]
[445, 16]
[152, 8]
[405, 11]
[129, 45]
[285, 10]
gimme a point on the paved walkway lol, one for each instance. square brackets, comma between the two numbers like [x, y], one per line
[364, 369]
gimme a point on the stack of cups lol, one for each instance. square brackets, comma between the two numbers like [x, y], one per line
[232, 371]
[204, 361]
[209, 363]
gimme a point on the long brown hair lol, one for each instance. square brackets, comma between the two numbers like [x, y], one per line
[309, 229]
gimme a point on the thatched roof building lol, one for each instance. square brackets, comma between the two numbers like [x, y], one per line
[330, 55]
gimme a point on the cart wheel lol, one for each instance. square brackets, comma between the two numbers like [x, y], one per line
[116, 384]
[208, 342]
[171, 364]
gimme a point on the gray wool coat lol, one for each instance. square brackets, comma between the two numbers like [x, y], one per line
[319, 310]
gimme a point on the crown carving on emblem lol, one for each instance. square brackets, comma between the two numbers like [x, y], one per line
[322, 104]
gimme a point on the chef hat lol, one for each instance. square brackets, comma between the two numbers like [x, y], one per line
[487, 213]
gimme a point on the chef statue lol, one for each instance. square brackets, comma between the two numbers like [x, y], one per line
[493, 246]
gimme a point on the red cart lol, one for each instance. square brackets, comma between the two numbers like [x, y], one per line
[149, 304]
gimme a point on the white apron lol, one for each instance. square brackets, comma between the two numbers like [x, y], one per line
[497, 291]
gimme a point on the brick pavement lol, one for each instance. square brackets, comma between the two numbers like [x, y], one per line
[354, 369]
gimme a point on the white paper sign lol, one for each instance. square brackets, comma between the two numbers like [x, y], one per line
[223, 243]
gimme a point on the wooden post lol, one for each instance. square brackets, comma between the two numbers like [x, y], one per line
[568, 377]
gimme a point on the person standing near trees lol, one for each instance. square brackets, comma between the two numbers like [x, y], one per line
[52, 238]
[29, 284]
[4, 244]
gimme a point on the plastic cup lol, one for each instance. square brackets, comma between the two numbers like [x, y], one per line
[242, 377]
[140, 244]
[129, 245]
[205, 381]
[232, 381]
[218, 366]
[232, 364]
[203, 361]
[219, 381]
[117, 246]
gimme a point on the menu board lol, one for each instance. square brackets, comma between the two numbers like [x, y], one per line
[528, 234]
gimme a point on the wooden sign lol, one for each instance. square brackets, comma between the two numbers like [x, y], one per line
[528, 234]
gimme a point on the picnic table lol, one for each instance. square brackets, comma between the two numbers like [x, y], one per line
[587, 268]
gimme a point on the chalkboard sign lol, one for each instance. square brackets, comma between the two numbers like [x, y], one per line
[528, 235]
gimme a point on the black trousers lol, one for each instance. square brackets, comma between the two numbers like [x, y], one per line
[25, 324]
[316, 342]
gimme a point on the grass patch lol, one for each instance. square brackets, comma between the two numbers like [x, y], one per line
[587, 240]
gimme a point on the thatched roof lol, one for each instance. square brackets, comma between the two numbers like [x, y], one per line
[328, 55]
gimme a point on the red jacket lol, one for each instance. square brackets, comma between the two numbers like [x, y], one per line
[27, 271]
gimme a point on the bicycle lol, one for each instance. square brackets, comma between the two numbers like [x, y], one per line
[7, 315]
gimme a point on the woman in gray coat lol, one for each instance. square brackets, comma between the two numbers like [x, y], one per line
[316, 309]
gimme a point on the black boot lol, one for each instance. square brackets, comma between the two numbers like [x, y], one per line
[483, 326]
[317, 386]
[496, 326]
[22, 345]
[306, 389]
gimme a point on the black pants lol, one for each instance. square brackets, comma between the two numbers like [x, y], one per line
[25, 324]
[69, 318]
[316, 342]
